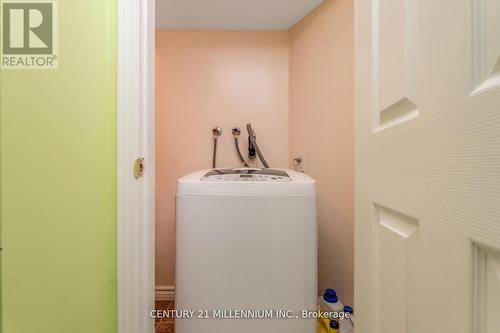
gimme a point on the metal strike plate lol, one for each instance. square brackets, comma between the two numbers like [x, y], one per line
[139, 167]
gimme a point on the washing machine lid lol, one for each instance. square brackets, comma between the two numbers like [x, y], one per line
[246, 182]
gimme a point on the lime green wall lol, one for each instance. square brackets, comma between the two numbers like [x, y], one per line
[58, 187]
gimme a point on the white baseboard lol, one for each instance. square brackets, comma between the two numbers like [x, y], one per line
[165, 293]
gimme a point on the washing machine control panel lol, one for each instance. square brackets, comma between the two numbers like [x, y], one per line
[247, 175]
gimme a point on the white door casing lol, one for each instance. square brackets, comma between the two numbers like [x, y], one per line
[427, 234]
[135, 139]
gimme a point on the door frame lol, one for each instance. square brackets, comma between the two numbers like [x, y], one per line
[135, 139]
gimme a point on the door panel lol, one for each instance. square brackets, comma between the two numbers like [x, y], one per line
[486, 44]
[487, 290]
[427, 165]
[396, 244]
[393, 62]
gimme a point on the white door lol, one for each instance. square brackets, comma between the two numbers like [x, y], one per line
[428, 166]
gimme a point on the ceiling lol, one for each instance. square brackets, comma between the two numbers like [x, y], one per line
[232, 14]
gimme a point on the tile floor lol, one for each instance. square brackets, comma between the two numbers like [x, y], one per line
[164, 325]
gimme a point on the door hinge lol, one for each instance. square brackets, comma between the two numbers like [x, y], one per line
[139, 167]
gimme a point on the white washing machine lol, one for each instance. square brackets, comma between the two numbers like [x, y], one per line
[246, 251]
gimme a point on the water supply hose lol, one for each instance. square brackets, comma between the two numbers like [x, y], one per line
[236, 133]
[251, 136]
[216, 132]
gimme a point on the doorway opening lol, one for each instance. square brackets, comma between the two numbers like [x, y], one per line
[286, 68]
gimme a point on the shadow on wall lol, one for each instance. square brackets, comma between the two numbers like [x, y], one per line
[322, 128]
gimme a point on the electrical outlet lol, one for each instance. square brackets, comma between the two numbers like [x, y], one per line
[299, 163]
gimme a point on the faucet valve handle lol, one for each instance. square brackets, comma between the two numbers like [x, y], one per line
[236, 132]
[216, 131]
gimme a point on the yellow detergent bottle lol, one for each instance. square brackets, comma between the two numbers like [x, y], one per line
[322, 328]
[334, 326]
[329, 307]
[328, 297]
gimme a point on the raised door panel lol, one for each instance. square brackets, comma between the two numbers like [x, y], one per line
[396, 256]
[393, 56]
[486, 44]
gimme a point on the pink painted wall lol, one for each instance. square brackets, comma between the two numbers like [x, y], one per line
[322, 128]
[206, 79]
